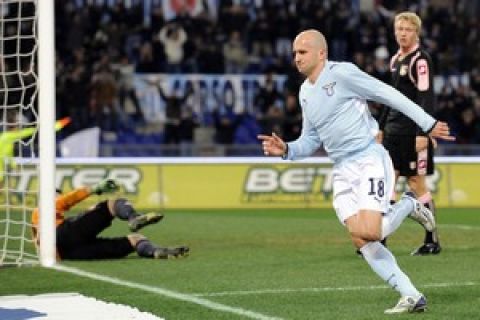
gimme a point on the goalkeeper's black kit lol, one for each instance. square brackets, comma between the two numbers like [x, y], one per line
[413, 76]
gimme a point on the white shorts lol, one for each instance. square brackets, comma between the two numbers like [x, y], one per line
[363, 182]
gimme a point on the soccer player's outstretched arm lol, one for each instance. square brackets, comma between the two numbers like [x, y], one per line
[371, 88]
[304, 146]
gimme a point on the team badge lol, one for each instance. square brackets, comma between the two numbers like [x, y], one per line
[403, 69]
[329, 88]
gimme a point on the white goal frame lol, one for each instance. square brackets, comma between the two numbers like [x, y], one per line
[46, 122]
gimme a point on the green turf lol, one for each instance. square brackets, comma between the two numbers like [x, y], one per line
[294, 253]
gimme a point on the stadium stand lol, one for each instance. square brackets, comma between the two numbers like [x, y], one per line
[115, 40]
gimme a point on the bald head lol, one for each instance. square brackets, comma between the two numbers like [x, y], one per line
[310, 52]
[312, 38]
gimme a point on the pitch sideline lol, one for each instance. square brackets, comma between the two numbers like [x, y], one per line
[167, 293]
[197, 298]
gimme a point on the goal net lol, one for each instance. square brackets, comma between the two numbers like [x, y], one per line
[18, 130]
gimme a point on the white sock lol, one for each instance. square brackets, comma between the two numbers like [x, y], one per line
[394, 217]
[385, 265]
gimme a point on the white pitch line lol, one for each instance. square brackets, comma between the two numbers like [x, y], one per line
[459, 226]
[325, 289]
[167, 293]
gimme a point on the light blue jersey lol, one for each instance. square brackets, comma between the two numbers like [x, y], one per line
[335, 112]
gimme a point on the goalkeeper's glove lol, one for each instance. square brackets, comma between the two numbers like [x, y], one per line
[105, 186]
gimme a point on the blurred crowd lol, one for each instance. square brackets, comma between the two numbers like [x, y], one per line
[100, 44]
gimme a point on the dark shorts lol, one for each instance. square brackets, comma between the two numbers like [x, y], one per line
[77, 237]
[405, 158]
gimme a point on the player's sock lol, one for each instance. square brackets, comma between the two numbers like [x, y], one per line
[123, 209]
[385, 265]
[428, 237]
[394, 217]
[145, 248]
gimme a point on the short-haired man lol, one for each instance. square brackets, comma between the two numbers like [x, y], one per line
[335, 114]
[410, 148]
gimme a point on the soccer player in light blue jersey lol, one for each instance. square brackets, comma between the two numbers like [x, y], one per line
[335, 114]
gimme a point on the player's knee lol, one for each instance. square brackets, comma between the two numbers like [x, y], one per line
[365, 231]
[372, 235]
[135, 238]
[358, 242]
[366, 234]
[123, 209]
[416, 183]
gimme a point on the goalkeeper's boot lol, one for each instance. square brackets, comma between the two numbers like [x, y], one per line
[420, 213]
[427, 249]
[140, 221]
[408, 304]
[171, 253]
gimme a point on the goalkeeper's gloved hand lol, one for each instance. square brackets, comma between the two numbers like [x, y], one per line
[105, 186]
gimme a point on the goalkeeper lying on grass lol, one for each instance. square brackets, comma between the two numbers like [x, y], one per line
[78, 236]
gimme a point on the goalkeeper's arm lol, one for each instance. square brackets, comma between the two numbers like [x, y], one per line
[70, 199]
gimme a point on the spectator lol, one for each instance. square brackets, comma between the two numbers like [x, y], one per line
[127, 95]
[174, 104]
[103, 90]
[186, 129]
[173, 37]
[235, 54]
[226, 123]
[77, 100]
[146, 62]
[267, 95]
[261, 36]
[292, 125]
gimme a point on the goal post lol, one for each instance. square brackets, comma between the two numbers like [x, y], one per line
[27, 130]
[47, 149]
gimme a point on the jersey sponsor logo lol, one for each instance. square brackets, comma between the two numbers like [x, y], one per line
[422, 70]
[423, 82]
[403, 70]
[128, 177]
[329, 88]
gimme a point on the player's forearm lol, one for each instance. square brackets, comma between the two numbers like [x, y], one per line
[19, 134]
[70, 199]
[306, 145]
[395, 99]
[300, 149]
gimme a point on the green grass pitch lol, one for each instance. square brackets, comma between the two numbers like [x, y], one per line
[284, 264]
